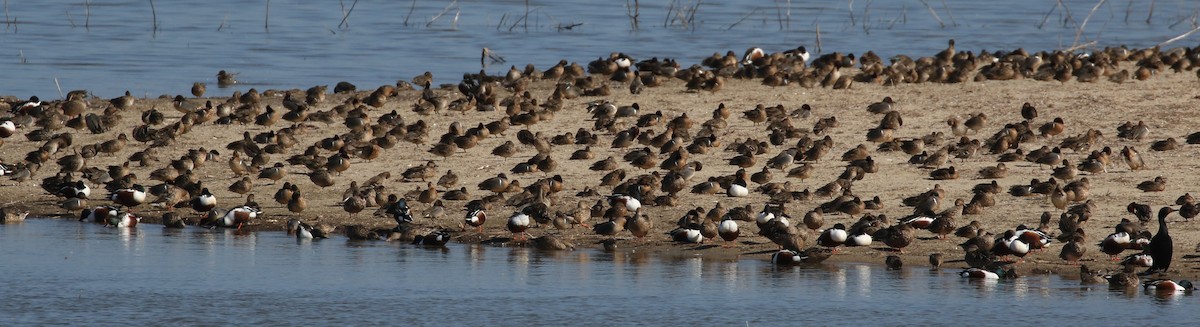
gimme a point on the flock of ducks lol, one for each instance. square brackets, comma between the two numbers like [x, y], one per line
[646, 159]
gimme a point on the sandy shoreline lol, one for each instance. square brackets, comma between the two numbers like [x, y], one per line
[1165, 102]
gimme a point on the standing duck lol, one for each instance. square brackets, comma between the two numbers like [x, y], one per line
[898, 236]
[129, 197]
[475, 218]
[639, 226]
[1161, 247]
[204, 202]
[1073, 250]
[517, 224]
[401, 213]
[297, 204]
[237, 217]
[728, 230]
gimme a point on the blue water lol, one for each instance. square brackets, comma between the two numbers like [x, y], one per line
[116, 47]
[65, 272]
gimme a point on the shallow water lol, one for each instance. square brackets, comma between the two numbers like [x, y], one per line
[66, 272]
[115, 47]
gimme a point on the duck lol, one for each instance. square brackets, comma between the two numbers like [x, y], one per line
[629, 202]
[497, 184]
[1158, 184]
[99, 214]
[400, 211]
[354, 204]
[860, 237]
[814, 219]
[204, 202]
[1161, 247]
[611, 227]
[1115, 243]
[475, 218]
[978, 273]
[737, 188]
[882, 107]
[1138, 259]
[123, 219]
[129, 197]
[708, 229]
[284, 194]
[639, 225]
[728, 230]
[935, 261]
[552, 243]
[24, 106]
[813, 255]
[517, 224]
[1088, 276]
[172, 220]
[226, 79]
[1073, 250]
[1168, 286]
[242, 186]
[304, 231]
[297, 204]
[434, 238]
[237, 217]
[7, 129]
[834, 236]
[893, 262]
[1127, 278]
[897, 237]
[687, 235]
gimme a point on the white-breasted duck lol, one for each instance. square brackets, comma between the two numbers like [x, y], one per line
[129, 197]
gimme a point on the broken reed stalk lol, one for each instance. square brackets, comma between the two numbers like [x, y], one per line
[60, 92]
[1180, 37]
[1151, 14]
[633, 12]
[1047, 16]
[410, 11]
[1079, 32]
[154, 16]
[867, 18]
[739, 21]
[87, 15]
[850, 5]
[526, 18]
[1128, 9]
[670, 9]
[950, 13]
[439, 15]
[779, 15]
[267, 18]
[345, 24]
[691, 20]
[934, 13]
[818, 38]
[1067, 11]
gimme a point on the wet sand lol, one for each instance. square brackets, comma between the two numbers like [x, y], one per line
[1165, 102]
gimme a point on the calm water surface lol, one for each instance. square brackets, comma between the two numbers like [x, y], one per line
[111, 45]
[62, 271]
